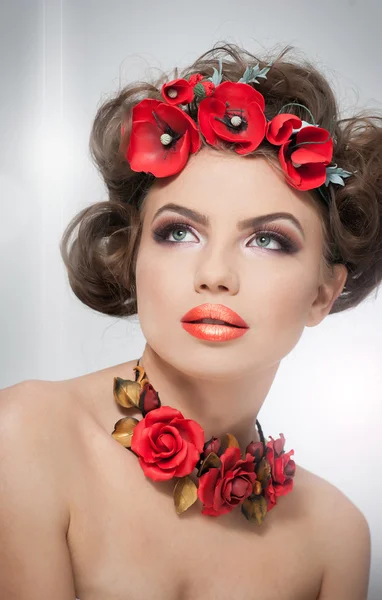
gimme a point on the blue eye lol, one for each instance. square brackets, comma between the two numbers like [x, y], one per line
[161, 235]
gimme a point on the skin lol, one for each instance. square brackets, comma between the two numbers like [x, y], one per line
[276, 293]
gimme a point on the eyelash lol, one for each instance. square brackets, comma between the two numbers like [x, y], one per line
[287, 244]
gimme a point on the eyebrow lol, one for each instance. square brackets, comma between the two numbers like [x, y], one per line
[245, 224]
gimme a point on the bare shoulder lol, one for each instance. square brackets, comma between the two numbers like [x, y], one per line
[40, 416]
[37, 405]
[342, 534]
[35, 504]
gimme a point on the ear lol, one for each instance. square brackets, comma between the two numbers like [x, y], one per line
[328, 292]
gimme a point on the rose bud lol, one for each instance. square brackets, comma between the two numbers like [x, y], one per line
[148, 399]
[256, 449]
[213, 445]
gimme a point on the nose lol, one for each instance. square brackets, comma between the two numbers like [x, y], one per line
[215, 273]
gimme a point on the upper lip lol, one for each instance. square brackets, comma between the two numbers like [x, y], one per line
[214, 311]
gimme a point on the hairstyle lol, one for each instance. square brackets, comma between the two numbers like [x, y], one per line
[101, 257]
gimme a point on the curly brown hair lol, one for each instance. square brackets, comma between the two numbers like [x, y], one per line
[101, 257]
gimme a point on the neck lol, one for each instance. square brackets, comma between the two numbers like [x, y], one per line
[220, 405]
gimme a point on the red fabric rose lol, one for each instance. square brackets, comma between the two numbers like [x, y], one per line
[280, 128]
[167, 444]
[306, 164]
[181, 90]
[221, 489]
[283, 469]
[229, 100]
[146, 152]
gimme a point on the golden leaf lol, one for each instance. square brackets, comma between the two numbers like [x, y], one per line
[257, 489]
[126, 392]
[123, 431]
[263, 470]
[232, 441]
[212, 460]
[141, 379]
[254, 509]
[185, 494]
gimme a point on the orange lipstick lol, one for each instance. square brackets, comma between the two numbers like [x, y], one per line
[229, 326]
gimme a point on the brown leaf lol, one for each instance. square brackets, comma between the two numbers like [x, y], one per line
[212, 460]
[123, 431]
[263, 470]
[141, 379]
[254, 509]
[232, 441]
[185, 494]
[257, 489]
[127, 392]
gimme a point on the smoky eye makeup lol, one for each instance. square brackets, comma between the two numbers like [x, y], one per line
[162, 232]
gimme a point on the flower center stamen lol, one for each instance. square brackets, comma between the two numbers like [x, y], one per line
[236, 123]
[166, 139]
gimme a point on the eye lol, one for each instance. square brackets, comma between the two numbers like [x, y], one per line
[179, 231]
[161, 234]
[284, 242]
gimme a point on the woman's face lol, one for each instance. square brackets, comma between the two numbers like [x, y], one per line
[272, 283]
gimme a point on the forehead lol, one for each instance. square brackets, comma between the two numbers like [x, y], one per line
[227, 184]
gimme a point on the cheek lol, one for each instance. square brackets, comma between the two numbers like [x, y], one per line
[280, 308]
[163, 287]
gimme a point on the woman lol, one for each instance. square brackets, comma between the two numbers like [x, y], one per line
[237, 197]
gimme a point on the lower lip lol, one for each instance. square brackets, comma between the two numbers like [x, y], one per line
[216, 333]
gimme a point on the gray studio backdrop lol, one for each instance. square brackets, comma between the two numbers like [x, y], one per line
[58, 60]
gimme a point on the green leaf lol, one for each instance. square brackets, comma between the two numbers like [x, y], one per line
[251, 73]
[336, 175]
[217, 76]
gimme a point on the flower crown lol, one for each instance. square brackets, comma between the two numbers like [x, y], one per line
[163, 135]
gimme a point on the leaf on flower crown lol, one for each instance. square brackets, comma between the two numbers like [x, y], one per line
[216, 77]
[251, 73]
[185, 494]
[254, 509]
[335, 175]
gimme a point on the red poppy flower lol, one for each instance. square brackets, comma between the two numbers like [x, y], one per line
[283, 469]
[221, 489]
[234, 113]
[279, 129]
[306, 157]
[168, 445]
[178, 91]
[162, 138]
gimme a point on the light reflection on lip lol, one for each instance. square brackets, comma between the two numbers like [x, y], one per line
[214, 332]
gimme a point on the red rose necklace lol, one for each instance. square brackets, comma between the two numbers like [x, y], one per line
[169, 446]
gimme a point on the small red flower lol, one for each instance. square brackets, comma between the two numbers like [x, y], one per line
[221, 489]
[167, 444]
[279, 129]
[283, 469]
[148, 399]
[194, 79]
[305, 157]
[234, 113]
[162, 138]
[178, 91]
